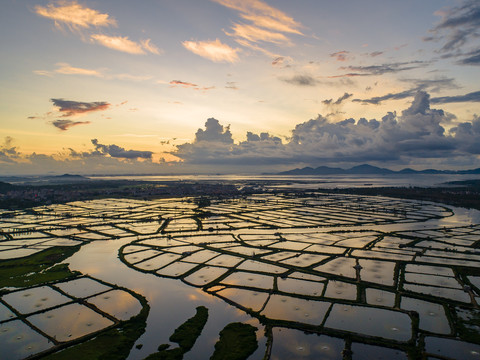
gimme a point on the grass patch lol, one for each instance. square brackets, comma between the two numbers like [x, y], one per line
[185, 336]
[38, 268]
[237, 342]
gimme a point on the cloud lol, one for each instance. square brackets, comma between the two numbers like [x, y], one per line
[214, 132]
[263, 15]
[254, 34]
[74, 15]
[433, 85]
[213, 50]
[149, 47]
[375, 53]
[301, 80]
[376, 100]
[372, 70]
[67, 124]
[78, 17]
[124, 44]
[116, 151]
[341, 55]
[42, 72]
[184, 84]
[67, 69]
[231, 85]
[470, 97]
[278, 61]
[70, 107]
[8, 152]
[471, 58]
[338, 101]
[417, 134]
[461, 24]
[261, 23]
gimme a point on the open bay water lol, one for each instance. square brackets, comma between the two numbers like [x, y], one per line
[310, 182]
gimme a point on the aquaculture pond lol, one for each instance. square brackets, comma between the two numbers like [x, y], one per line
[316, 276]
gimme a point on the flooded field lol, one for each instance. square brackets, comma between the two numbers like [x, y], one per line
[317, 276]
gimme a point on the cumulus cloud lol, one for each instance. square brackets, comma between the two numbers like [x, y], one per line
[8, 152]
[124, 44]
[116, 151]
[417, 133]
[74, 15]
[64, 124]
[70, 107]
[213, 50]
[214, 132]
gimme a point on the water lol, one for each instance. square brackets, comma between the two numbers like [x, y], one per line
[308, 182]
[360, 271]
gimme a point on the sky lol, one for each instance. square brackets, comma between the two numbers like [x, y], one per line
[237, 86]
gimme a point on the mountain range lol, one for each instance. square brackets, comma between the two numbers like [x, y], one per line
[366, 169]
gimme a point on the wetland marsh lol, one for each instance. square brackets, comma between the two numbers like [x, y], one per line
[331, 276]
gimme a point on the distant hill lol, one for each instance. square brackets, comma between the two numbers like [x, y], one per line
[366, 169]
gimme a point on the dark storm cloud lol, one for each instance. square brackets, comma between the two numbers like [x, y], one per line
[69, 107]
[470, 97]
[301, 80]
[116, 151]
[67, 124]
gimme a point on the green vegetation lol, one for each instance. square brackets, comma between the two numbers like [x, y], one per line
[185, 336]
[112, 344]
[37, 268]
[237, 342]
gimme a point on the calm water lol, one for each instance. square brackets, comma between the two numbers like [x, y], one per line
[310, 182]
[306, 272]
